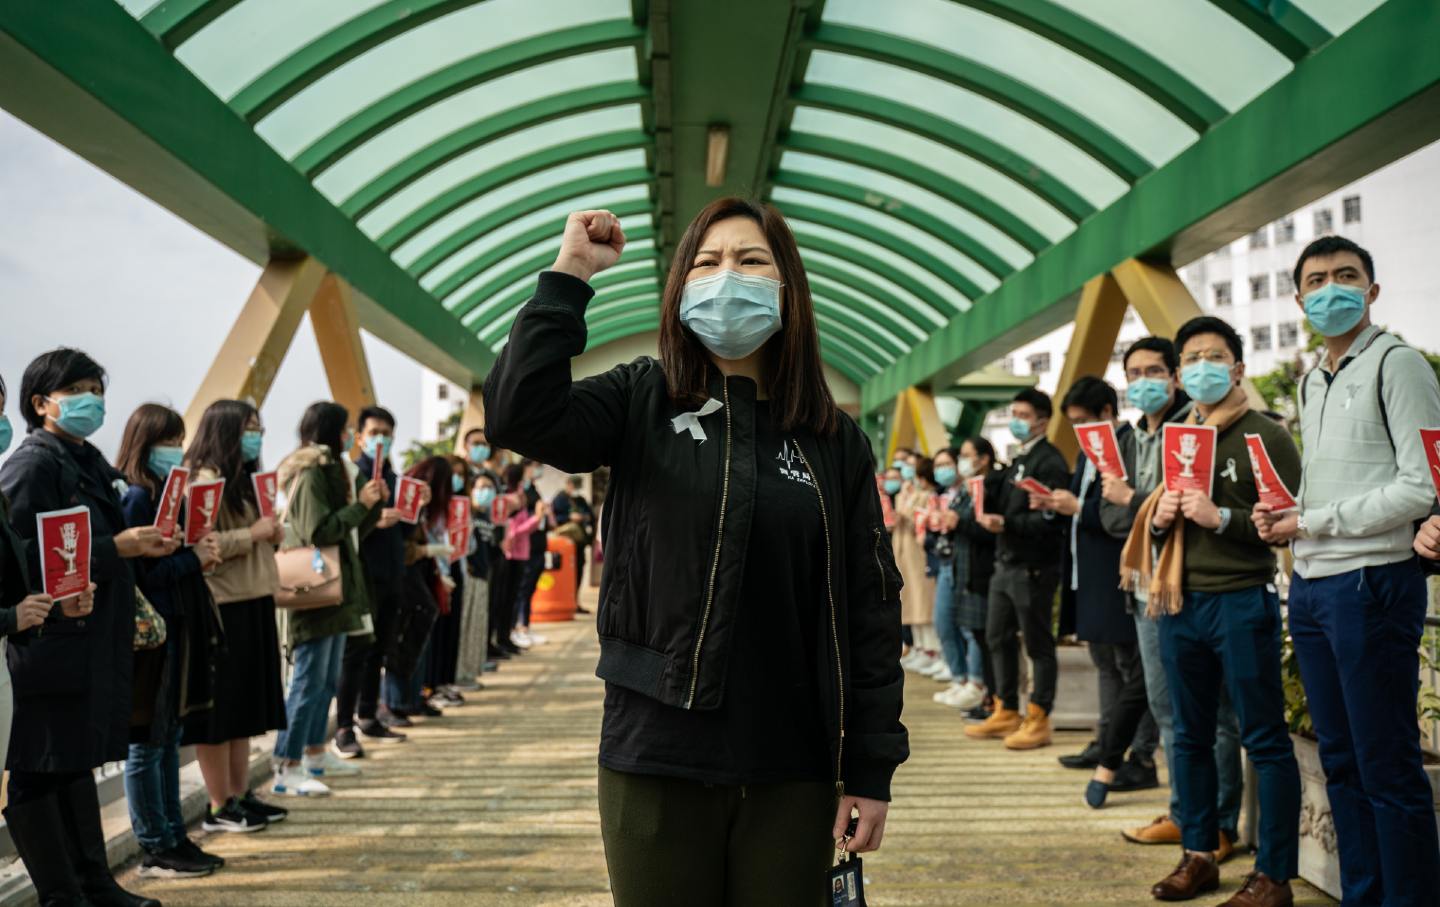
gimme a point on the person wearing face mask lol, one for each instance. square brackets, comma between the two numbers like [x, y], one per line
[177, 679]
[445, 636]
[977, 460]
[1356, 576]
[749, 626]
[946, 548]
[1210, 581]
[575, 519]
[1027, 572]
[72, 675]
[907, 541]
[530, 572]
[475, 626]
[1152, 369]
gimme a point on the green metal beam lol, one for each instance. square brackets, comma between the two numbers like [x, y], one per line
[629, 299]
[1290, 145]
[544, 198]
[93, 78]
[855, 332]
[496, 126]
[632, 270]
[1118, 55]
[962, 139]
[866, 262]
[898, 308]
[176, 21]
[827, 287]
[901, 210]
[1059, 118]
[484, 299]
[903, 168]
[1279, 23]
[483, 67]
[508, 172]
[611, 334]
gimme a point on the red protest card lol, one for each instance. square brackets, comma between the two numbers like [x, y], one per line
[203, 509]
[1268, 484]
[1430, 437]
[1101, 446]
[167, 515]
[407, 499]
[1034, 486]
[377, 469]
[977, 494]
[1189, 455]
[458, 525]
[65, 551]
[887, 510]
[265, 488]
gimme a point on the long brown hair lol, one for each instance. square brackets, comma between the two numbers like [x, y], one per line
[148, 426]
[216, 446]
[792, 369]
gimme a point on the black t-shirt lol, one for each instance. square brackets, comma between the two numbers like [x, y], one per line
[769, 728]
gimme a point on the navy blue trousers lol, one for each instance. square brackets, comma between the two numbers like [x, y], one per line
[1232, 638]
[1357, 637]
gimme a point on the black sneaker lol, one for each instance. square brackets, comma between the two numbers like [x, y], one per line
[172, 864]
[372, 729]
[979, 713]
[1088, 758]
[346, 746]
[451, 695]
[232, 818]
[427, 710]
[392, 718]
[259, 808]
[192, 850]
[1135, 775]
[494, 653]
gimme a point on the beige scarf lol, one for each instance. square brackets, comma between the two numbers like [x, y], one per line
[1165, 580]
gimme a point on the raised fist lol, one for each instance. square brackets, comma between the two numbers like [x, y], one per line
[592, 242]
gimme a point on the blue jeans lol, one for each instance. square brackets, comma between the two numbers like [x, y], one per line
[1356, 636]
[1228, 769]
[1234, 638]
[974, 655]
[952, 645]
[152, 791]
[312, 688]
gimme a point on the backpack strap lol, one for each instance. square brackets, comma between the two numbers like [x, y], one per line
[1380, 394]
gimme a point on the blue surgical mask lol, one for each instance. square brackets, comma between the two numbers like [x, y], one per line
[892, 486]
[538, 473]
[163, 459]
[907, 472]
[377, 447]
[457, 484]
[483, 497]
[945, 476]
[1206, 382]
[81, 415]
[1020, 429]
[7, 433]
[250, 444]
[967, 466]
[1335, 308]
[1149, 395]
[479, 453]
[732, 314]
[898, 464]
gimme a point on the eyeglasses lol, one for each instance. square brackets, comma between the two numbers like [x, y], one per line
[1153, 371]
[1218, 357]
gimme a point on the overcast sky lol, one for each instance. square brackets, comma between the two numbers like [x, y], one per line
[86, 261]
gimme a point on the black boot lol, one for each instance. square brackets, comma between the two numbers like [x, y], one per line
[80, 806]
[39, 837]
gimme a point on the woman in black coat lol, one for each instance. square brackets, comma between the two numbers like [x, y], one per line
[71, 675]
[977, 459]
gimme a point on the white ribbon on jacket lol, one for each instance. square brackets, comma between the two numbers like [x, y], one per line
[691, 421]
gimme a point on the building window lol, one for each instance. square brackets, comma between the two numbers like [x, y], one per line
[1289, 335]
[1324, 221]
[1008, 364]
[1260, 238]
[1039, 363]
[1260, 338]
[1284, 284]
[440, 429]
[1285, 230]
[1118, 354]
[1222, 294]
[1260, 286]
[443, 392]
[1352, 209]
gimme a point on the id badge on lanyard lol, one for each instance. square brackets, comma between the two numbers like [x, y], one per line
[846, 880]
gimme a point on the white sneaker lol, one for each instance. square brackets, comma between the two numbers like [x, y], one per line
[520, 638]
[326, 765]
[908, 661]
[947, 695]
[924, 665]
[943, 675]
[293, 781]
[971, 695]
[536, 639]
[936, 666]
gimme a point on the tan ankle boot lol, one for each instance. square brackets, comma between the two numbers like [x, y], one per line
[1001, 722]
[1033, 733]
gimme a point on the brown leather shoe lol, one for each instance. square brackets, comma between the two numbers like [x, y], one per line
[1002, 723]
[1196, 875]
[1033, 733]
[1227, 849]
[1162, 831]
[1260, 890]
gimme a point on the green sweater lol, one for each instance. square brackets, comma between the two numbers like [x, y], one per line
[1235, 558]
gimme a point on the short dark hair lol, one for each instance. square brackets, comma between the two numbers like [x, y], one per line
[925, 469]
[474, 431]
[378, 413]
[1209, 324]
[907, 450]
[1330, 245]
[1037, 399]
[53, 371]
[982, 446]
[324, 423]
[1092, 395]
[1161, 345]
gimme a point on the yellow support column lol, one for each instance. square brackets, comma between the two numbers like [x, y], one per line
[252, 352]
[930, 433]
[1164, 303]
[472, 418]
[902, 427]
[337, 333]
[1097, 327]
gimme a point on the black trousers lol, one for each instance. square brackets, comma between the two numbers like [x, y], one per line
[1022, 601]
[358, 692]
[26, 786]
[504, 579]
[1125, 721]
[445, 638]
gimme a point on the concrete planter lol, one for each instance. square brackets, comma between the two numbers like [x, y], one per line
[1077, 691]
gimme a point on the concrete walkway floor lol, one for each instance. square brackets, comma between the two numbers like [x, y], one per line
[494, 804]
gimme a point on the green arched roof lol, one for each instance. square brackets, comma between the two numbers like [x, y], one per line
[952, 169]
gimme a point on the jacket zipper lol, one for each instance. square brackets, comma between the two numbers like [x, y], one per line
[884, 589]
[834, 627]
[715, 562]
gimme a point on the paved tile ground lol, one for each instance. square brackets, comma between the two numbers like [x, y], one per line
[494, 805]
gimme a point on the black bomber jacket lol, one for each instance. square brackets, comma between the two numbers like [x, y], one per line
[677, 522]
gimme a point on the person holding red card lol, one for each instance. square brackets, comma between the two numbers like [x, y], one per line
[1212, 587]
[72, 682]
[1367, 480]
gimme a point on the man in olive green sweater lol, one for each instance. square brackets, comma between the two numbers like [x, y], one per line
[1221, 620]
